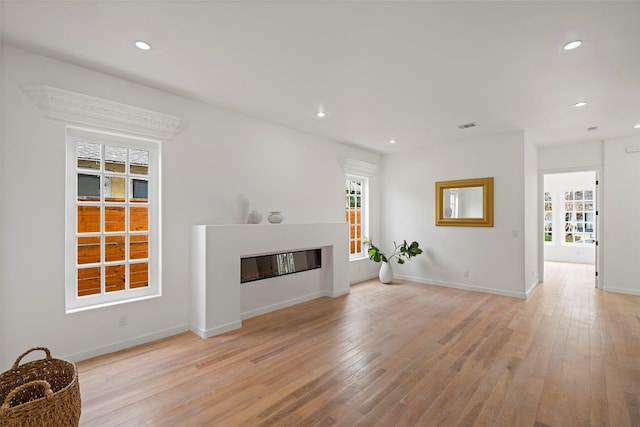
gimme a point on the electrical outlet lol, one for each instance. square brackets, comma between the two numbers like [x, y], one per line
[465, 273]
[122, 320]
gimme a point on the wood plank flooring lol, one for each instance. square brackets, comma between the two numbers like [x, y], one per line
[405, 354]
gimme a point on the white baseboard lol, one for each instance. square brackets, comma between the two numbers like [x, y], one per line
[269, 308]
[464, 287]
[336, 293]
[621, 290]
[570, 260]
[218, 330]
[142, 339]
[531, 288]
[363, 278]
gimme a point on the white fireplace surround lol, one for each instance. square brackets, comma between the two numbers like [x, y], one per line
[219, 302]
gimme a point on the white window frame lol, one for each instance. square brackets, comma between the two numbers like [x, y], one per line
[574, 190]
[154, 288]
[364, 215]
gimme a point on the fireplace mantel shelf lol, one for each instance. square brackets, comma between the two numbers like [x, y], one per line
[217, 295]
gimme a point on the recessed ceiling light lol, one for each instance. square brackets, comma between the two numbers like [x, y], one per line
[392, 141]
[580, 104]
[572, 45]
[321, 114]
[637, 126]
[141, 44]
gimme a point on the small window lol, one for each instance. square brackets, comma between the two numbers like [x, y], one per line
[113, 221]
[357, 214]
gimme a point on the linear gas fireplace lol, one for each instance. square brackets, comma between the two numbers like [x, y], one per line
[273, 265]
[220, 303]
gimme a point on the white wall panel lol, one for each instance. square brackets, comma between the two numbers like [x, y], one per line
[621, 250]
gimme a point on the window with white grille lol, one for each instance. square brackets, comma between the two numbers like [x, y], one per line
[579, 217]
[356, 213]
[113, 219]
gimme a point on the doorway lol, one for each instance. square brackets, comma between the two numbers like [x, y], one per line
[570, 223]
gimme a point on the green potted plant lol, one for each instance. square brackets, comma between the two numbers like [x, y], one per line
[401, 253]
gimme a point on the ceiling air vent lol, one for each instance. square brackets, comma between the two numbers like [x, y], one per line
[468, 125]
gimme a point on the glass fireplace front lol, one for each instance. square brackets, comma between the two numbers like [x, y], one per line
[280, 264]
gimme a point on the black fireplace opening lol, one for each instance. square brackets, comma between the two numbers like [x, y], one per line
[280, 264]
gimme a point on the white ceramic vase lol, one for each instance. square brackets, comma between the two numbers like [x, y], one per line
[240, 208]
[386, 273]
[254, 217]
[275, 217]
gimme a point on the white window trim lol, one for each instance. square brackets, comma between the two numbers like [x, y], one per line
[73, 302]
[74, 107]
[364, 215]
[359, 169]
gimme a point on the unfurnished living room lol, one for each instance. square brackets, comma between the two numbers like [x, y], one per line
[305, 213]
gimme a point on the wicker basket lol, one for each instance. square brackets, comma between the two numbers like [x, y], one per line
[40, 393]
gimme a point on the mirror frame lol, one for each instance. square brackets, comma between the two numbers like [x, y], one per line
[487, 199]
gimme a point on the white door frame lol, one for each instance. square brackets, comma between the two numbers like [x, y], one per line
[599, 279]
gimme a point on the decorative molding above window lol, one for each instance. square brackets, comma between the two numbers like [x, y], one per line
[76, 107]
[357, 167]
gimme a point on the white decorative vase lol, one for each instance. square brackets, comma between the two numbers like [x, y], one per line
[254, 217]
[275, 217]
[240, 208]
[386, 273]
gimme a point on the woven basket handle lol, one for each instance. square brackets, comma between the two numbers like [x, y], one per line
[17, 362]
[48, 393]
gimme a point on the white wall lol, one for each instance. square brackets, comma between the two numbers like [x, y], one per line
[219, 155]
[564, 158]
[408, 212]
[621, 251]
[531, 217]
[557, 184]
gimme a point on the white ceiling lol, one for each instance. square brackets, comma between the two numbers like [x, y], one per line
[411, 71]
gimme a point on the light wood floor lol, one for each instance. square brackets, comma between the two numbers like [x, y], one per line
[405, 354]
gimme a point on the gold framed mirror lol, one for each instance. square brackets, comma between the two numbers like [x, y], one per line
[465, 202]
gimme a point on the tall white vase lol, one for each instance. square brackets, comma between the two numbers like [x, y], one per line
[386, 273]
[240, 208]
